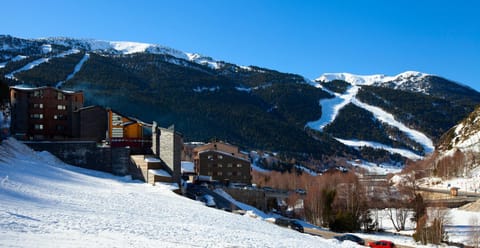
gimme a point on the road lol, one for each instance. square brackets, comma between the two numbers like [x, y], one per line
[221, 203]
[329, 235]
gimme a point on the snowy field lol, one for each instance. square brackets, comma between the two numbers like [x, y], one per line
[46, 203]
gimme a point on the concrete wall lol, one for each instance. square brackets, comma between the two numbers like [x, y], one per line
[171, 145]
[88, 155]
[256, 198]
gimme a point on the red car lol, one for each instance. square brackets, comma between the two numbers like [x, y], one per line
[381, 244]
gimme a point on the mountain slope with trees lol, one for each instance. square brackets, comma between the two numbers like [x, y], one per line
[256, 108]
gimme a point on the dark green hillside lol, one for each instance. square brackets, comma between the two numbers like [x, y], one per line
[12, 66]
[296, 103]
[147, 87]
[451, 91]
[429, 114]
[51, 72]
[338, 86]
[257, 76]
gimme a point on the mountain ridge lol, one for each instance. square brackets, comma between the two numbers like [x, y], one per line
[248, 105]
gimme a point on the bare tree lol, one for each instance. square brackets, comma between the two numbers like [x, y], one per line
[398, 216]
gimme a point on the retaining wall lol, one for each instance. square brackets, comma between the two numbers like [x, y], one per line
[87, 154]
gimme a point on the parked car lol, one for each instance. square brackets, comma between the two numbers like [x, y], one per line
[269, 189]
[289, 223]
[381, 244]
[351, 237]
[301, 191]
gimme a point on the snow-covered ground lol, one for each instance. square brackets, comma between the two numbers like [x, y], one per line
[42, 199]
[45, 203]
[469, 183]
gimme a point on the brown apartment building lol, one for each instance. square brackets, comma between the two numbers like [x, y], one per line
[43, 113]
[223, 162]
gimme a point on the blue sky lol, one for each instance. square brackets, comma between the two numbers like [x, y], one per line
[303, 37]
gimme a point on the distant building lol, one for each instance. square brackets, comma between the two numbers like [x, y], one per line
[223, 162]
[43, 113]
[188, 147]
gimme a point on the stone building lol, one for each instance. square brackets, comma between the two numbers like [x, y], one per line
[223, 162]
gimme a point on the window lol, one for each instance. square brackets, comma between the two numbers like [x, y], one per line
[36, 116]
[220, 157]
[220, 165]
[219, 173]
[38, 105]
[209, 173]
[60, 128]
[229, 165]
[60, 96]
[239, 165]
[61, 107]
[229, 173]
[38, 93]
[38, 126]
[210, 156]
[59, 117]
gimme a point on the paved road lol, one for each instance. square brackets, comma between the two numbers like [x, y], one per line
[330, 235]
[220, 201]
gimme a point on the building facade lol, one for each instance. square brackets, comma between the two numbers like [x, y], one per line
[43, 113]
[128, 131]
[90, 123]
[223, 162]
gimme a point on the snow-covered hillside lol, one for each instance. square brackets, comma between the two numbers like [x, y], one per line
[332, 106]
[45, 203]
[128, 47]
[464, 136]
[410, 80]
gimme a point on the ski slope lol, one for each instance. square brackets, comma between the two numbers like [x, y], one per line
[37, 62]
[77, 68]
[332, 106]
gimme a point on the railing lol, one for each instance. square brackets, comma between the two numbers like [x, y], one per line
[130, 142]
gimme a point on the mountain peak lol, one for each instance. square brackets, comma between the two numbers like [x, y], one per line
[409, 80]
[369, 79]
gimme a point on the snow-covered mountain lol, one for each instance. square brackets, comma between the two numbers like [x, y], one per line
[465, 136]
[377, 118]
[349, 89]
[108, 47]
[409, 80]
[413, 81]
[45, 203]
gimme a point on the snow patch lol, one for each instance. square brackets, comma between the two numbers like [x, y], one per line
[360, 143]
[77, 68]
[371, 79]
[46, 48]
[199, 89]
[37, 62]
